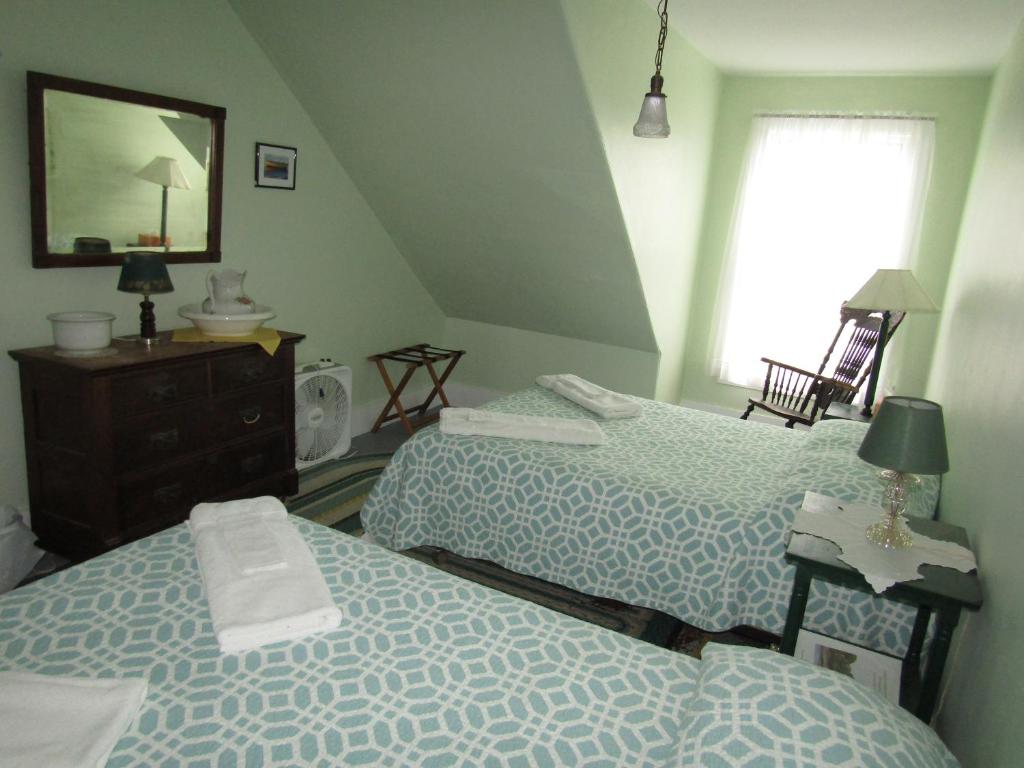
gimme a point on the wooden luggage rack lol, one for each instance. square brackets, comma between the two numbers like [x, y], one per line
[416, 356]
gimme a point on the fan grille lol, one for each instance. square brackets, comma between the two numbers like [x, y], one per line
[321, 413]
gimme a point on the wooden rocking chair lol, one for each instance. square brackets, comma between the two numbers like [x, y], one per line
[799, 396]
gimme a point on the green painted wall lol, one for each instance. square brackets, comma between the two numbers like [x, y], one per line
[506, 359]
[466, 126]
[317, 255]
[957, 103]
[977, 376]
[660, 183]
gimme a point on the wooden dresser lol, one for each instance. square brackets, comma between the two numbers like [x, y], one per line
[121, 446]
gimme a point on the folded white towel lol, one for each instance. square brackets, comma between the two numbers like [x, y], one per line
[603, 402]
[64, 721]
[241, 510]
[469, 421]
[254, 546]
[265, 605]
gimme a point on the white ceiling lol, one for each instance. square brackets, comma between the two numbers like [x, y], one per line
[847, 36]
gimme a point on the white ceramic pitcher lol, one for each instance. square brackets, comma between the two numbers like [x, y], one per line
[226, 294]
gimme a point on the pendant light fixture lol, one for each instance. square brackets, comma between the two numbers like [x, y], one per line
[653, 120]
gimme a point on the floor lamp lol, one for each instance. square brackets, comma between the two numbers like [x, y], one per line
[166, 172]
[888, 291]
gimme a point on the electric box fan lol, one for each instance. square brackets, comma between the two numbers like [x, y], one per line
[323, 412]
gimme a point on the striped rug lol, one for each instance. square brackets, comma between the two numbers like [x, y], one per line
[332, 493]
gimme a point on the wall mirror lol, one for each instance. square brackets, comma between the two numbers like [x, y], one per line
[114, 170]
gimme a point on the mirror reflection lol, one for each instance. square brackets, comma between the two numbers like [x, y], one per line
[123, 173]
[114, 170]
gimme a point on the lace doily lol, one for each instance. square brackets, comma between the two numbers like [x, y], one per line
[844, 524]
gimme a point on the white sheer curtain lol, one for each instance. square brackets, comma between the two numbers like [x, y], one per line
[825, 201]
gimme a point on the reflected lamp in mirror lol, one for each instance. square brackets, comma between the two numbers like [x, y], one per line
[907, 438]
[145, 272]
[91, 170]
[888, 291]
[167, 173]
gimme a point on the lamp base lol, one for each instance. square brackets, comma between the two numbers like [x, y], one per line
[891, 533]
[148, 341]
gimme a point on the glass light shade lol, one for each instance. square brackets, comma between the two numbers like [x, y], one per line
[653, 120]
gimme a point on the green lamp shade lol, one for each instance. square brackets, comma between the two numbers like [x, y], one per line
[907, 435]
[144, 272]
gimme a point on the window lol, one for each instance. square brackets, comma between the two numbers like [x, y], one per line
[825, 201]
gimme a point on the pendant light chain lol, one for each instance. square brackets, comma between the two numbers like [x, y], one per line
[653, 120]
[662, 34]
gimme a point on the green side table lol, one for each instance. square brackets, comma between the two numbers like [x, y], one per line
[942, 591]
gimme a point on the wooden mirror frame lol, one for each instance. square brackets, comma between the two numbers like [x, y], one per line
[38, 83]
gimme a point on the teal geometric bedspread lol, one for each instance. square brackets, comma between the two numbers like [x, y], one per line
[680, 510]
[426, 668]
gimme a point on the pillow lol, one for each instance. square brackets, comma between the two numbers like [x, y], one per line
[759, 708]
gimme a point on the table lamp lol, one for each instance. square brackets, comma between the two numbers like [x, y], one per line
[907, 436]
[166, 172]
[888, 291]
[145, 272]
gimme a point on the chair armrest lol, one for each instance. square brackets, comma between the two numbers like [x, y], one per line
[794, 369]
[796, 390]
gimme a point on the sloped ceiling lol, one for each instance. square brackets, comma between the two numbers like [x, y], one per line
[862, 37]
[466, 126]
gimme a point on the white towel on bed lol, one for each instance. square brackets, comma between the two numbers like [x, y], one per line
[469, 421]
[265, 605]
[603, 402]
[241, 510]
[254, 546]
[52, 721]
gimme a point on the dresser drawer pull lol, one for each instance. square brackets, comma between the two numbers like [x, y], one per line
[162, 393]
[167, 495]
[252, 373]
[250, 415]
[165, 440]
[252, 464]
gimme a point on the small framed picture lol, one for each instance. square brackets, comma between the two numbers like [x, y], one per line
[275, 166]
[877, 671]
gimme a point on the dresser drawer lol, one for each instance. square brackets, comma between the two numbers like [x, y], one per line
[158, 437]
[247, 463]
[151, 390]
[123, 445]
[160, 498]
[250, 413]
[250, 368]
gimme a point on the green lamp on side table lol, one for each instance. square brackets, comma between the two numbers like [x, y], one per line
[906, 438]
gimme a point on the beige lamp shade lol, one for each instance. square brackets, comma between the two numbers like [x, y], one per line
[895, 290]
[166, 172]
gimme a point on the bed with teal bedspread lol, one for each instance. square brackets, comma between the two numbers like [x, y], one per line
[680, 510]
[426, 669]
[430, 670]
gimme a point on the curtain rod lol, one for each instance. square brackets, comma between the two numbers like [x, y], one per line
[846, 115]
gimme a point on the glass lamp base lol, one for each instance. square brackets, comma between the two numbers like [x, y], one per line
[890, 533]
